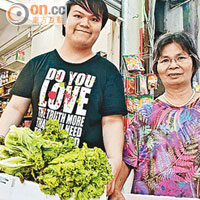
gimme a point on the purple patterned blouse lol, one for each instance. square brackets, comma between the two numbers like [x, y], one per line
[162, 144]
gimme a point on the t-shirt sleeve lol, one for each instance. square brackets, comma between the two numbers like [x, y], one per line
[24, 85]
[114, 100]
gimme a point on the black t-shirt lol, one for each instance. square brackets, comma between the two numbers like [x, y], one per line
[77, 95]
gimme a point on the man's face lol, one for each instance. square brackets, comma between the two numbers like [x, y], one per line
[82, 28]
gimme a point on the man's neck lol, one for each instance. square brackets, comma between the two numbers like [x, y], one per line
[73, 54]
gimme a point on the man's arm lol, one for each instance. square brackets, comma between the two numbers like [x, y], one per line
[123, 174]
[14, 113]
[113, 137]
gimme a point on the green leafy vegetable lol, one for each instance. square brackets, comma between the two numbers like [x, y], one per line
[2, 138]
[83, 173]
[51, 159]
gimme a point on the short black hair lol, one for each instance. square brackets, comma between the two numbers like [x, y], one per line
[96, 7]
[182, 38]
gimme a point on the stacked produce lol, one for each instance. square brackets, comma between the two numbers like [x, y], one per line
[51, 159]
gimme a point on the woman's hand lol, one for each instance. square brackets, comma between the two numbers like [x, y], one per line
[116, 195]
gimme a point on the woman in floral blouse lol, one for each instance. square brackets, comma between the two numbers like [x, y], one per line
[162, 144]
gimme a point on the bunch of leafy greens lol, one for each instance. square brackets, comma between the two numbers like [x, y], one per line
[26, 153]
[82, 173]
[51, 159]
[2, 138]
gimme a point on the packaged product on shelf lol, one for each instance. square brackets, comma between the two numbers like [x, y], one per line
[14, 76]
[20, 55]
[145, 99]
[133, 63]
[4, 104]
[136, 84]
[9, 89]
[1, 79]
[11, 77]
[29, 112]
[141, 85]
[152, 81]
[27, 123]
[132, 103]
[7, 76]
[127, 120]
[130, 85]
[1, 91]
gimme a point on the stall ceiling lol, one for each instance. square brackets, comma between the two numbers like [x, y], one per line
[4, 21]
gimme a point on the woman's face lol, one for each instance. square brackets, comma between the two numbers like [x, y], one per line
[175, 66]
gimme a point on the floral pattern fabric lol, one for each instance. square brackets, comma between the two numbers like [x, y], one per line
[162, 144]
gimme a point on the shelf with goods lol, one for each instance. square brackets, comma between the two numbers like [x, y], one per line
[26, 122]
[8, 75]
[8, 83]
[5, 94]
[28, 117]
[15, 51]
[138, 85]
[14, 66]
[7, 79]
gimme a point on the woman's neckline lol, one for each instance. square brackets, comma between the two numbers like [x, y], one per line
[165, 103]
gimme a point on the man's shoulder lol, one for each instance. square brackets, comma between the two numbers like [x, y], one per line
[40, 57]
[106, 64]
[37, 61]
[105, 60]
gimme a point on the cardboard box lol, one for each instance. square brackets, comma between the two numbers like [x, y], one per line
[12, 189]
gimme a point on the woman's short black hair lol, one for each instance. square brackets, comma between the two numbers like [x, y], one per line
[182, 38]
[96, 7]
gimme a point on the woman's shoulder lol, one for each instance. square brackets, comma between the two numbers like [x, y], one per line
[147, 108]
[152, 108]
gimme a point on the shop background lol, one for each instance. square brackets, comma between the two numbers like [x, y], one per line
[131, 30]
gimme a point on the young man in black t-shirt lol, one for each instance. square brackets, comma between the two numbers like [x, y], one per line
[73, 85]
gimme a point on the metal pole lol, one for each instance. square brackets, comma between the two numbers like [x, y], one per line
[132, 13]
